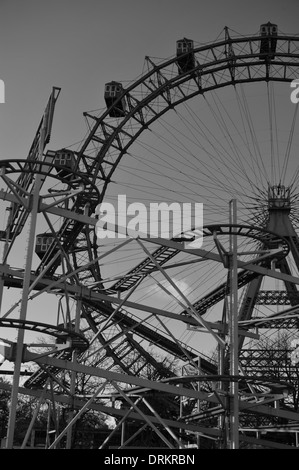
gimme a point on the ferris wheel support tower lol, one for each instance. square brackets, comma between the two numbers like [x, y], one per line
[41, 139]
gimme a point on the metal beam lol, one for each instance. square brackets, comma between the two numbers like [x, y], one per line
[233, 330]
[79, 403]
[118, 377]
[25, 293]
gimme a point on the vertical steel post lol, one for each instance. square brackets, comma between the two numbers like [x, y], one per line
[222, 420]
[73, 377]
[233, 331]
[1, 288]
[198, 401]
[24, 302]
[181, 411]
[4, 260]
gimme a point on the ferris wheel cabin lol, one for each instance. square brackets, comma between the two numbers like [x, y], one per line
[185, 55]
[114, 102]
[42, 244]
[66, 160]
[268, 33]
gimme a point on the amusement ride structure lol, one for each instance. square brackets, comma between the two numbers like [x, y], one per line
[185, 341]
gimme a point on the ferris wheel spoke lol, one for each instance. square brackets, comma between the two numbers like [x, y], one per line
[200, 127]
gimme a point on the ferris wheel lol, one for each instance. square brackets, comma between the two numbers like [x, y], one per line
[214, 125]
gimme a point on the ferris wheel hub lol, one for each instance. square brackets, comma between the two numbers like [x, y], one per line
[279, 198]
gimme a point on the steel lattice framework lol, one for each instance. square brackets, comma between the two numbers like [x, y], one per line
[104, 339]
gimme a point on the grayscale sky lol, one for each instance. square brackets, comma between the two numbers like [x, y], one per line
[79, 45]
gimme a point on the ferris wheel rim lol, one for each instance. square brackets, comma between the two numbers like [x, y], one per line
[114, 139]
[114, 128]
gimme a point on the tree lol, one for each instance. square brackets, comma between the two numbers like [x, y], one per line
[4, 409]
[273, 362]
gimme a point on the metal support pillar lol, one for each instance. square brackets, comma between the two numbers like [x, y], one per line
[1, 289]
[24, 302]
[233, 333]
[73, 377]
[222, 420]
[5, 249]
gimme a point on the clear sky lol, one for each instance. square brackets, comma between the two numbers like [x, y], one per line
[79, 45]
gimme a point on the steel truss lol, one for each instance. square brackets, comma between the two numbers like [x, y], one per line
[221, 402]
